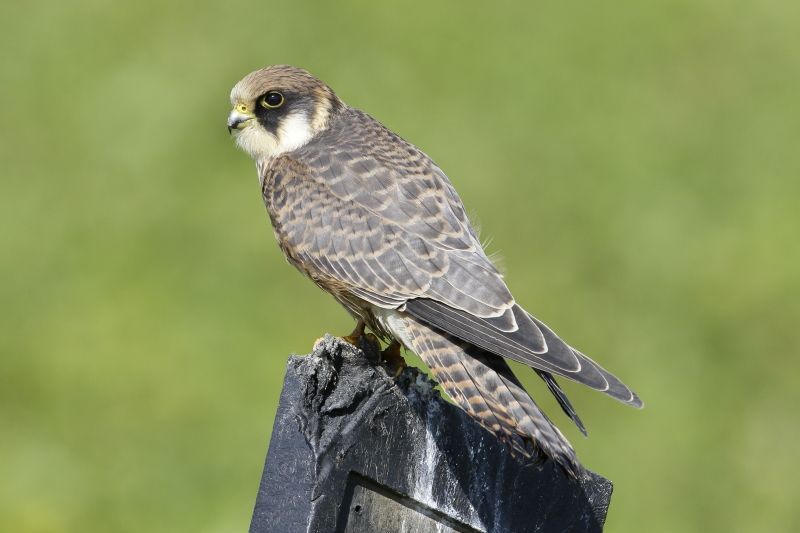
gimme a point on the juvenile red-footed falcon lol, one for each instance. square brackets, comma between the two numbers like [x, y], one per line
[372, 220]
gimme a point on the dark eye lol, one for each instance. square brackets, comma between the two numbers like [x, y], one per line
[272, 99]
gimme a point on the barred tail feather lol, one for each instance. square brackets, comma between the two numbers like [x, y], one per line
[483, 385]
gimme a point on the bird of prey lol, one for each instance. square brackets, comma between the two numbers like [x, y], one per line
[372, 220]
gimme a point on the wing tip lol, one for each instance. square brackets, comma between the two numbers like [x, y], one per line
[614, 386]
[635, 401]
[621, 392]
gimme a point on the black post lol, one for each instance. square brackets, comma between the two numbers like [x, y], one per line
[354, 450]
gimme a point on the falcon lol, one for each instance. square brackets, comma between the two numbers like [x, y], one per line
[372, 220]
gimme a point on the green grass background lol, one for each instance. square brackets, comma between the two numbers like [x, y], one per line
[635, 163]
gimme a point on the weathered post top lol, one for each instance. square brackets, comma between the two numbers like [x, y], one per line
[354, 450]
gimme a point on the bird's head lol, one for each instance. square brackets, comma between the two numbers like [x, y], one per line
[279, 109]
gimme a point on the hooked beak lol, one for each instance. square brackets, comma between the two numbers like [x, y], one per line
[238, 119]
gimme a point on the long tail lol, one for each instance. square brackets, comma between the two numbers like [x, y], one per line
[483, 385]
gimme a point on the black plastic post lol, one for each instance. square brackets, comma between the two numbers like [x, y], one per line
[354, 450]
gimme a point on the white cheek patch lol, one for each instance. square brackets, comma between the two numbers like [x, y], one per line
[294, 131]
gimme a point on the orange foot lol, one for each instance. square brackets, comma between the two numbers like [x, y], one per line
[367, 342]
[393, 358]
[355, 337]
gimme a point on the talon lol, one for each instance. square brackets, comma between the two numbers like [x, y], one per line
[371, 342]
[356, 335]
[393, 358]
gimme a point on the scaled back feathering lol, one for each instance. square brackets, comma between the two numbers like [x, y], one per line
[373, 221]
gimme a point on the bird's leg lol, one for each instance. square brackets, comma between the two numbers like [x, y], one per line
[357, 333]
[393, 358]
[366, 342]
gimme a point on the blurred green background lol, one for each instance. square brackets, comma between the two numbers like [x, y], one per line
[635, 163]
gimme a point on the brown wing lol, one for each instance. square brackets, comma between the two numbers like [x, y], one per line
[512, 345]
[363, 210]
[407, 205]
